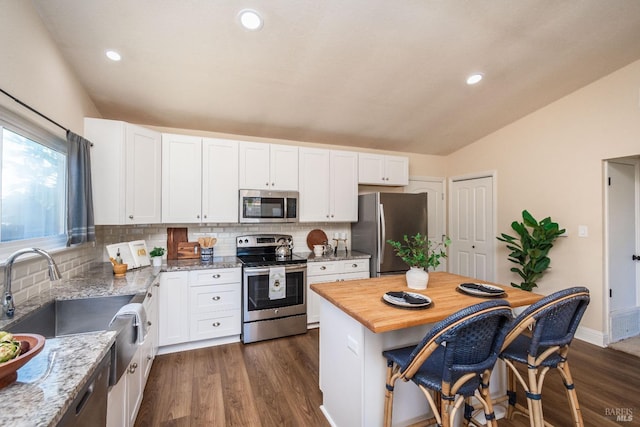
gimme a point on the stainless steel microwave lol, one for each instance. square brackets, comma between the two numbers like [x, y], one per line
[268, 206]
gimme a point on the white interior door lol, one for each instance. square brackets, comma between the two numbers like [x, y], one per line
[622, 239]
[471, 228]
[434, 187]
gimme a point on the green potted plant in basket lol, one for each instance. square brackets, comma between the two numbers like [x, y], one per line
[530, 250]
[420, 254]
[156, 255]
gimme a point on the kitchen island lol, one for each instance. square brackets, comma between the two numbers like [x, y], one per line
[357, 326]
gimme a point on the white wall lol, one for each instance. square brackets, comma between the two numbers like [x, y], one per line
[551, 163]
[33, 71]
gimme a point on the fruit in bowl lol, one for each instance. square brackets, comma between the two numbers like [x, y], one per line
[15, 351]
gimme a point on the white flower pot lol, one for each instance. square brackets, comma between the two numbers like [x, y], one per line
[417, 278]
[157, 261]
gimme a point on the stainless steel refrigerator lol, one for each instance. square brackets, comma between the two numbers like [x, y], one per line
[387, 216]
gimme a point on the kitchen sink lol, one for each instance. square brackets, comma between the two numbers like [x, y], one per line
[61, 318]
[67, 317]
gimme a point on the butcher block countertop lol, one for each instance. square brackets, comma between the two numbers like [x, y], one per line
[362, 300]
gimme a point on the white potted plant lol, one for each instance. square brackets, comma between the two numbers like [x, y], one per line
[156, 256]
[420, 254]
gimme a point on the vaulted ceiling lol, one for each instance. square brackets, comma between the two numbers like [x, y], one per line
[363, 73]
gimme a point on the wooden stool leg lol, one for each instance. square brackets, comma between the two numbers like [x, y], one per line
[534, 399]
[571, 393]
[388, 395]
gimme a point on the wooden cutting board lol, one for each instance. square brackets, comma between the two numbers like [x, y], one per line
[188, 250]
[174, 237]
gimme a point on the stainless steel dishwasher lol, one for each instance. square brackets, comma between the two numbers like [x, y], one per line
[89, 408]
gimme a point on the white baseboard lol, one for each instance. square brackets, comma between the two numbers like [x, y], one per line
[198, 344]
[592, 336]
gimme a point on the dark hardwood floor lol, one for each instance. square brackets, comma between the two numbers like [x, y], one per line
[275, 383]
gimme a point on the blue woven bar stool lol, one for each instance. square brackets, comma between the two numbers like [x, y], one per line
[553, 320]
[454, 361]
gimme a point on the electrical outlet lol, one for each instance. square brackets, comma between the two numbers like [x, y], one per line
[583, 231]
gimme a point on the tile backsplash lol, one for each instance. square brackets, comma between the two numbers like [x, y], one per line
[30, 274]
[156, 235]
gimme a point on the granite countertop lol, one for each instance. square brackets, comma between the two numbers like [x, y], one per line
[50, 381]
[339, 256]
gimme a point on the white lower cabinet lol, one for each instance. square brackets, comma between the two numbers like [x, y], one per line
[199, 305]
[126, 396]
[331, 271]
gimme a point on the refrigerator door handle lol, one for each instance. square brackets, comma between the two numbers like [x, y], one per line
[382, 233]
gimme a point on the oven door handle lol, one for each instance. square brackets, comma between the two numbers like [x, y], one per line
[255, 271]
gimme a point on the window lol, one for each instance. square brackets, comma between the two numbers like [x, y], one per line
[33, 182]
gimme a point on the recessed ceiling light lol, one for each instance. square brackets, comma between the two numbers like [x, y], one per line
[113, 55]
[250, 19]
[474, 78]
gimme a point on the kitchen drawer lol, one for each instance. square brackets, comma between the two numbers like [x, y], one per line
[208, 298]
[214, 325]
[215, 276]
[356, 265]
[354, 276]
[322, 268]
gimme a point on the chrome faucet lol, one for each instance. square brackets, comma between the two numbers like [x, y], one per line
[8, 307]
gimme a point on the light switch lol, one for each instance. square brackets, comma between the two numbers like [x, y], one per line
[583, 231]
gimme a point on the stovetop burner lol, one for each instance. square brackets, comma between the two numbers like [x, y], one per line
[267, 260]
[259, 250]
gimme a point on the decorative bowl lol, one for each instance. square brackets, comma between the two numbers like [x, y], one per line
[120, 269]
[8, 369]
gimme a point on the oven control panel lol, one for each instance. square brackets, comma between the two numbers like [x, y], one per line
[263, 240]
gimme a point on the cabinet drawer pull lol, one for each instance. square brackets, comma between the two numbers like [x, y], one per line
[323, 268]
[215, 324]
[216, 276]
[216, 298]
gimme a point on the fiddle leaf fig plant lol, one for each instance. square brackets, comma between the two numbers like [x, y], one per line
[419, 251]
[530, 249]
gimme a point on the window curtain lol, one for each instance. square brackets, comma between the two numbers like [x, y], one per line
[80, 224]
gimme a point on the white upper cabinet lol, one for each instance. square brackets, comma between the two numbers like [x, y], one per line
[268, 166]
[328, 185]
[125, 172]
[376, 169]
[199, 179]
[219, 180]
[181, 178]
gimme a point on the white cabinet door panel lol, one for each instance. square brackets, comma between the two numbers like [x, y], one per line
[254, 166]
[343, 175]
[181, 178]
[219, 180]
[314, 184]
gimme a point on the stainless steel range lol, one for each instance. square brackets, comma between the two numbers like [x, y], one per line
[274, 287]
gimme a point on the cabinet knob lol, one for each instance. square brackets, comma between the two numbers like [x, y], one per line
[133, 367]
[149, 357]
[216, 298]
[130, 216]
[354, 265]
[215, 324]
[216, 276]
[149, 323]
[323, 268]
[149, 294]
[273, 184]
[198, 216]
[205, 217]
[266, 183]
[331, 215]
